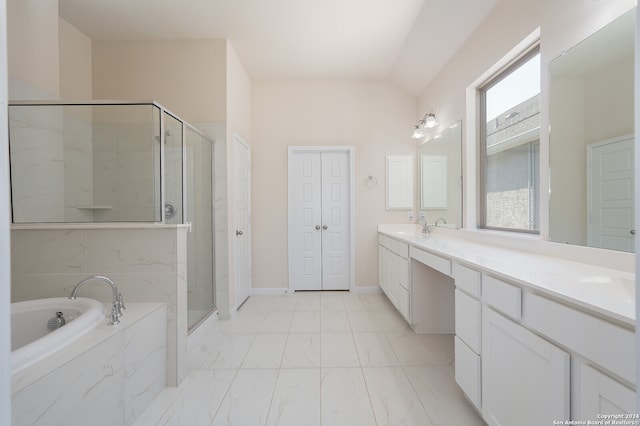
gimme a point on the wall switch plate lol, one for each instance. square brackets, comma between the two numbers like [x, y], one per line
[410, 215]
[423, 214]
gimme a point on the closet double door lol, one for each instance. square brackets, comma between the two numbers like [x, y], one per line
[319, 202]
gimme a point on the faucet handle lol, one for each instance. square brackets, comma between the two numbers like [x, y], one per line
[115, 307]
[121, 302]
[114, 316]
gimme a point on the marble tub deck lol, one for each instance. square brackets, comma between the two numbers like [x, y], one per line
[331, 358]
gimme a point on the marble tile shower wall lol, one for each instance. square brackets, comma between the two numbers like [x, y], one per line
[63, 164]
[42, 138]
[78, 152]
[148, 264]
[123, 163]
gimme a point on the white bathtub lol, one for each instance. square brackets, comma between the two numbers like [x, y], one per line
[31, 340]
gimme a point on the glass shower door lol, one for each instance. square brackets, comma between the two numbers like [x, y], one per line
[199, 212]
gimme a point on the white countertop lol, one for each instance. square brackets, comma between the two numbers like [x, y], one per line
[607, 292]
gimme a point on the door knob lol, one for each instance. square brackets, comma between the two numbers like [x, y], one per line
[324, 226]
[238, 233]
[317, 227]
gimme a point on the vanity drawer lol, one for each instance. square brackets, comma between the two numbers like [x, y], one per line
[502, 296]
[438, 263]
[468, 319]
[602, 342]
[468, 373]
[397, 247]
[384, 241]
[467, 279]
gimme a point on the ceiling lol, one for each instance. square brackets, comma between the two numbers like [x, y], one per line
[405, 41]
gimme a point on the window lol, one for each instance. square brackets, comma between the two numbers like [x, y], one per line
[510, 147]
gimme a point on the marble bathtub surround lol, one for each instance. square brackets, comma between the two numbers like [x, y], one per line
[147, 261]
[107, 377]
[281, 362]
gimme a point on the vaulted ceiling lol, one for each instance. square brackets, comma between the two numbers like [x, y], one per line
[405, 41]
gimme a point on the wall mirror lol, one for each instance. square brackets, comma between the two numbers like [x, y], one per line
[440, 177]
[591, 140]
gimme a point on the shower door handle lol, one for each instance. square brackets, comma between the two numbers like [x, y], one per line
[239, 233]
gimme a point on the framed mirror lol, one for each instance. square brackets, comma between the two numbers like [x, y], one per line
[440, 177]
[400, 182]
[591, 140]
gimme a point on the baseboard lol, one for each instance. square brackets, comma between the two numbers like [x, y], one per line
[366, 290]
[283, 291]
[279, 291]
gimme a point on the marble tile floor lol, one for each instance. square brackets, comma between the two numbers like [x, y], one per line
[330, 358]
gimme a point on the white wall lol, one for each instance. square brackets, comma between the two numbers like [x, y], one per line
[75, 63]
[188, 77]
[32, 36]
[374, 116]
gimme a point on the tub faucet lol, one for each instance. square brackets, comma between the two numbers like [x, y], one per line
[117, 306]
[444, 221]
[425, 227]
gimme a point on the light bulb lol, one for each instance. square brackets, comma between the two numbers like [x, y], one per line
[417, 133]
[430, 121]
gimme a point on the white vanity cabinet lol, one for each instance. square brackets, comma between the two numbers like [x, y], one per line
[393, 268]
[468, 330]
[600, 394]
[606, 351]
[525, 353]
[525, 378]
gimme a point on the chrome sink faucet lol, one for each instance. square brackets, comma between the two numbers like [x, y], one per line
[444, 221]
[117, 306]
[425, 228]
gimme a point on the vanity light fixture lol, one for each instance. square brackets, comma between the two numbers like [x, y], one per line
[428, 122]
[417, 133]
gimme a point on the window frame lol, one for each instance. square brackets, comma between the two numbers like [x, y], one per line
[491, 81]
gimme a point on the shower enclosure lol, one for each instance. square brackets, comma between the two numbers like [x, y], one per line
[117, 162]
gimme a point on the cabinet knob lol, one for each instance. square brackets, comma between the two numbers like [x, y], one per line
[317, 227]
[633, 232]
[238, 233]
[324, 226]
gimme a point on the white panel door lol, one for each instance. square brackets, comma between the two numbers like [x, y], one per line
[307, 221]
[320, 215]
[610, 195]
[335, 220]
[243, 221]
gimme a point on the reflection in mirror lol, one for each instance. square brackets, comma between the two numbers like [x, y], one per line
[440, 181]
[591, 140]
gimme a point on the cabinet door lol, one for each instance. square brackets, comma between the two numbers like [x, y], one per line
[525, 379]
[383, 268]
[468, 319]
[600, 394]
[401, 284]
[467, 373]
